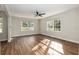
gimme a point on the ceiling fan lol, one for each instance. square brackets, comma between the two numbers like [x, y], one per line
[36, 13]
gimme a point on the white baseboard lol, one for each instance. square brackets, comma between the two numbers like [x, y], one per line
[62, 38]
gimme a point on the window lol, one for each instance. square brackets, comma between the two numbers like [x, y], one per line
[1, 25]
[53, 25]
[27, 25]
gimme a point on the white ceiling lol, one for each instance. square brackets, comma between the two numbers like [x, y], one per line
[26, 10]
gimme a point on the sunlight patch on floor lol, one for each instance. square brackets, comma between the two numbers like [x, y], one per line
[46, 41]
[57, 46]
[39, 49]
[48, 47]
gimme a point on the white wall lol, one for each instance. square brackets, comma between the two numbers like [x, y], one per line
[16, 26]
[69, 25]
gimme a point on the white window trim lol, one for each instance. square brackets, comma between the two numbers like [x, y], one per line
[53, 26]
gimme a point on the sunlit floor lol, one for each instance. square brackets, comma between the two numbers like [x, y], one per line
[38, 45]
[49, 47]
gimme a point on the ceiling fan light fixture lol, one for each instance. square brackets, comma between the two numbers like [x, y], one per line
[39, 14]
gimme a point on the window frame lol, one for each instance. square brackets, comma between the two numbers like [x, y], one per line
[28, 26]
[53, 25]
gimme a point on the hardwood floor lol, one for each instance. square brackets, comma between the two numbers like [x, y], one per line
[38, 45]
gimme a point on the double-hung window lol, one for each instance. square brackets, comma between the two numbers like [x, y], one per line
[53, 25]
[27, 26]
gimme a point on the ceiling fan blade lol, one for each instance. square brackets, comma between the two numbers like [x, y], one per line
[42, 13]
[38, 14]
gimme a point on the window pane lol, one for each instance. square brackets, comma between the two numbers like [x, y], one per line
[25, 24]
